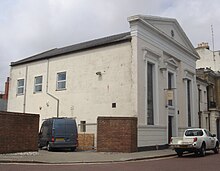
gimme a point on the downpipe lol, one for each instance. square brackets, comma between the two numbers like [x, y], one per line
[58, 101]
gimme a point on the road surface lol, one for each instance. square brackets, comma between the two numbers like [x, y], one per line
[211, 162]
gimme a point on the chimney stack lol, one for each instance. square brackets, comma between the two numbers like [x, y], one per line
[203, 45]
[5, 97]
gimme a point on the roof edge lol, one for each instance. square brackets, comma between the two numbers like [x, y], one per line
[105, 41]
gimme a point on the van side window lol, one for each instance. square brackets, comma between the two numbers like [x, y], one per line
[44, 129]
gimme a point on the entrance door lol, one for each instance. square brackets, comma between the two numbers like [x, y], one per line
[170, 128]
[217, 127]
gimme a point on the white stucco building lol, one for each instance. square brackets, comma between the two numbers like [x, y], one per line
[148, 72]
[208, 58]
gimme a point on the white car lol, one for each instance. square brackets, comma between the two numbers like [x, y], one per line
[195, 140]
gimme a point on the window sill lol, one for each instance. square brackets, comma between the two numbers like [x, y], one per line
[61, 89]
[170, 107]
[37, 92]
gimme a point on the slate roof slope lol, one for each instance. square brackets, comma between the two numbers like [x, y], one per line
[76, 47]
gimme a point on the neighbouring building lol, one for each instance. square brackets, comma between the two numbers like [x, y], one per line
[148, 73]
[4, 97]
[208, 82]
[203, 112]
[208, 58]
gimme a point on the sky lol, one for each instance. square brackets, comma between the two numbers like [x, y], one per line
[28, 27]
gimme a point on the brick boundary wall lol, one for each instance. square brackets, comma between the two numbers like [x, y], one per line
[18, 132]
[117, 134]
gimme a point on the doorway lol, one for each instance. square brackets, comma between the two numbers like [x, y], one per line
[217, 128]
[170, 128]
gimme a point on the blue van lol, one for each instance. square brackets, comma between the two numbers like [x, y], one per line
[58, 133]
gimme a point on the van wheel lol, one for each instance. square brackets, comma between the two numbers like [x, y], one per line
[73, 149]
[39, 146]
[49, 147]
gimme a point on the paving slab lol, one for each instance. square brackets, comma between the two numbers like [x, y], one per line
[65, 157]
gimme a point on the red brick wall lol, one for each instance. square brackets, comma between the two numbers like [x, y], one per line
[18, 132]
[117, 134]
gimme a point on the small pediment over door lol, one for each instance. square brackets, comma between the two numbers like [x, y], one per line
[171, 62]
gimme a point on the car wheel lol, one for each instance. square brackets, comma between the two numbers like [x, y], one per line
[179, 153]
[196, 153]
[216, 149]
[202, 150]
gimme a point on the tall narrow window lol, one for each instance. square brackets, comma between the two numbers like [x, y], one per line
[20, 86]
[189, 102]
[38, 84]
[170, 86]
[61, 80]
[199, 105]
[150, 94]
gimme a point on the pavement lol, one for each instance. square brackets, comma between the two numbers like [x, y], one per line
[67, 157]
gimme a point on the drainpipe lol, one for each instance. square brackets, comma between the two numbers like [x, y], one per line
[58, 101]
[25, 90]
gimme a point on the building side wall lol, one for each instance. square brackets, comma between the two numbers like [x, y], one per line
[87, 95]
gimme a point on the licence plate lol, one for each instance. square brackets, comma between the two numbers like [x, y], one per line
[60, 139]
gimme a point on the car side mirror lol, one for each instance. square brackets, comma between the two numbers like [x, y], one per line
[213, 135]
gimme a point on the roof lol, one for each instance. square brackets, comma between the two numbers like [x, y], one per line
[123, 37]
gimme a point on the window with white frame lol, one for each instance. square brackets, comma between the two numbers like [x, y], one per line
[61, 81]
[20, 86]
[38, 84]
[150, 93]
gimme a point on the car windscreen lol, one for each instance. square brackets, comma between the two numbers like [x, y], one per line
[194, 133]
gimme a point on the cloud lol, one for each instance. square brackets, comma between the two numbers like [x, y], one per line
[28, 27]
[196, 18]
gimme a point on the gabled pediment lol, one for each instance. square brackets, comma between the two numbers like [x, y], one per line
[172, 62]
[169, 28]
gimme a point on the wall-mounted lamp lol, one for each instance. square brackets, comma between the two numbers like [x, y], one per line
[99, 73]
